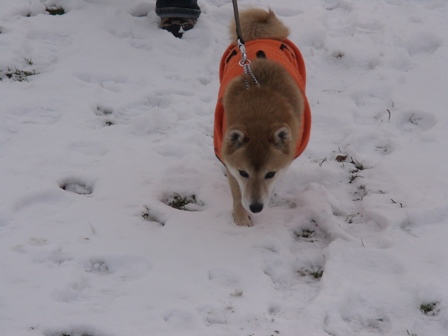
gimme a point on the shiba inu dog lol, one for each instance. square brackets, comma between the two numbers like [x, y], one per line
[262, 122]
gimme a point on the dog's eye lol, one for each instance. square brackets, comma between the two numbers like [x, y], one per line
[269, 175]
[243, 173]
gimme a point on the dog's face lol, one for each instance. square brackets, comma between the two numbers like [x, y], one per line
[257, 163]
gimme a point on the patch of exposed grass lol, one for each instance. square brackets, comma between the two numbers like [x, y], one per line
[305, 234]
[358, 165]
[430, 309]
[313, 272]
[317, 274]
[16, 74]
[55, 10]
[354, 177]
[186, 203]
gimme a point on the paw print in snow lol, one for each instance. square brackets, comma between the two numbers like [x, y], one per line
[77, 186]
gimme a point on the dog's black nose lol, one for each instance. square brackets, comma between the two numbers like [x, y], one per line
[256, 207]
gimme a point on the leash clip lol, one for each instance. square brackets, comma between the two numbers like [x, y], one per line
[242, 48]
[245, 63]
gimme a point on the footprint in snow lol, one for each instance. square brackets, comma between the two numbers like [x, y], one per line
[367, 318]
[121, 266]
[224, 277]
[311, 233]
[179, 318]
[215, 314]
[77, 186]
[106, 114]
[102, 110]
[98, 266]
[423, 44]
[415, 121]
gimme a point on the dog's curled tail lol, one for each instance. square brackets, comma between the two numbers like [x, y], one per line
[257, 23]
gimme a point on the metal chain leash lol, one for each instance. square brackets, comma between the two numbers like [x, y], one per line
[245, 63]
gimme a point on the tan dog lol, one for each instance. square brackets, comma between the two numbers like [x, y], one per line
[261, 125]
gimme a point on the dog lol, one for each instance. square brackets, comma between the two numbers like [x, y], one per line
[262, 123]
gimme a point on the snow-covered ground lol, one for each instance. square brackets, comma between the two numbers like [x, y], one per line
[105, 119]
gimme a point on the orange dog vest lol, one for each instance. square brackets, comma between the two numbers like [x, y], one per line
[283, 52]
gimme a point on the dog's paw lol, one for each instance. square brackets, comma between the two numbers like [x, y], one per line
[241, 217]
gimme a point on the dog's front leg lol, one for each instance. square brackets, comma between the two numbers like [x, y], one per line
[240, 215]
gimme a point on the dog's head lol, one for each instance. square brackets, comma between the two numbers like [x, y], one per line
[256, 163]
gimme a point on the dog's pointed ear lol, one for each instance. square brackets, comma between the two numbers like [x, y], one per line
[282, 137]
[235, 138]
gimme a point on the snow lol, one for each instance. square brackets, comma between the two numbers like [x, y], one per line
[118, 120]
